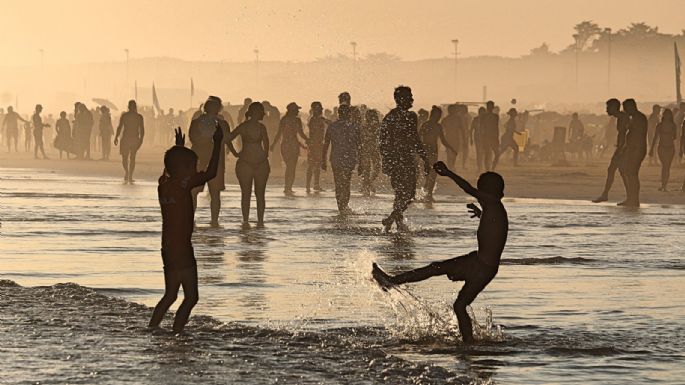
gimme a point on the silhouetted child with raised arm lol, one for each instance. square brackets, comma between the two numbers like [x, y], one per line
[176, 201]
[477, 268]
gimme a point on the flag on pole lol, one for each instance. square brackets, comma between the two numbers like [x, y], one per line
[155, 101]
[192, 87]
[678, 95]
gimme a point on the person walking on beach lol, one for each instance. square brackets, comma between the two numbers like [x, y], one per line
[63, 140]
[11, 126]
[478, 267]
[454, 132]
[176, 202]
[508, 136]
[317, 128]
[636, 149]
[664, 136]
[106, 132]
[613, 108]
[252, 167]
[38, 127]
[200, 133]
[489, 134]
[131, 129]
[369, 156]
[399, 144]
[430, 132]
[343, 138]
[83, 130]
[288, 130]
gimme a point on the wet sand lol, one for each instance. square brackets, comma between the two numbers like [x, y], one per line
[581, 180]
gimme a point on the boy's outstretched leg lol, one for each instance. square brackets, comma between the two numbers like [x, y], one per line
[416, 275]
[190, 297]
[171, 283]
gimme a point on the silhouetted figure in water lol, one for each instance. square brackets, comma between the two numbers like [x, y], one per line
[508, 141]
[613, 108]
[477, 268]
[317, 130]
[176, 201]
[38, 127]
[83, 130]
[399, 144]
[63, 140]
[201, 133]
[489, 128]
[636, 149]
[243, 110]
[576, 129]
[476, 138]
[106, 132]
[463, 112]
[131, 129]
[369, 156]
[664, 136]
[343, 138]
[452, 126]
[430, 132]
[252, 167]
[652, 122]
[28, 136]
[11, 127]
[288, 130]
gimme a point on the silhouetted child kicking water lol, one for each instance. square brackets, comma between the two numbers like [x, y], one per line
[477, 268]
[176, 201]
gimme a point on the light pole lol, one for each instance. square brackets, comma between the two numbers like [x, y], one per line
[127, 79]
[607, 31]
[256, 56]
[577, 38]
[456, 64]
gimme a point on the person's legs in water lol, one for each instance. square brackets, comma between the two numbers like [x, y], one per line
[131, 165]
[403, 181]
[310, 174]
[515, 147]
[245, 174]
[172, 282]
[341, 177]
[451, 158]
[611, 172]
[124, 161]
[666, 157]
[290, 170]
[496, 155]
[260, 179]
[215, 204]
[188, 278]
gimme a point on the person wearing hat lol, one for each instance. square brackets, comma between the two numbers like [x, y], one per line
[317, 128]
[106, 132]
[288, 130]
[132, 130]
[201, 133]
[38, 127]
[508, 136]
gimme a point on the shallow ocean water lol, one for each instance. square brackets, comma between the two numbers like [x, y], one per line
[586, 293]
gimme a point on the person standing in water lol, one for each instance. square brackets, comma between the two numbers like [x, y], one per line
[613, 108]
[63, 140]
[38, 127]
[176, 202]
[288, 130]
[636, 149]
[476, 139]
[369, 157]
[131, 129]
[664, 136]
[106, 132]
[652, 122]
[489, 134]
[399, 144]
[317, 129]
[11, 126]
[201, 133]
[478, 267]
[252, 167]
[508, 136]
[430, 132]
[343, 138]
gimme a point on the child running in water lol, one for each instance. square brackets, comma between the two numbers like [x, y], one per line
[477, 268]
[176, 201]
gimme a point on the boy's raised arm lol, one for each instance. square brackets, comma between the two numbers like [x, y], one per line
[441, 169]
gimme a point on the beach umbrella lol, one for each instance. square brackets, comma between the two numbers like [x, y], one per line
[107, 103]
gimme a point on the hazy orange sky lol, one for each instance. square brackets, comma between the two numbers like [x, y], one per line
[302, 30]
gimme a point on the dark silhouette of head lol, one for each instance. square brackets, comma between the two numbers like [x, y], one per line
[180, 162]
[213, 105]
[630, 106]
[345, 98]
[10, 109]
[317, 108]
[436, 113]
[490, 106]
[292, 109]
[344, 112]
[491, 183]
[247, 102]
[39, 108]
[132, 106]
[656, 109]
[423, 114]
[452, 109]
[574, 116]
[255, 111]
[481, 111]
[512, 112]
[667, 116]
[372, 116]
[403, 97]
[63, 114]
[104, 110]
[613, 106]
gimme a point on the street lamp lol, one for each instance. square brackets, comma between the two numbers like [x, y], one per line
[354, 51]
[127, 79]
[456, 58]
[607, 31]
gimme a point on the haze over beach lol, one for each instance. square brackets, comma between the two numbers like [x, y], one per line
[342, 192]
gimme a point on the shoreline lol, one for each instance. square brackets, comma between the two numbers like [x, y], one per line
[581, 180]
